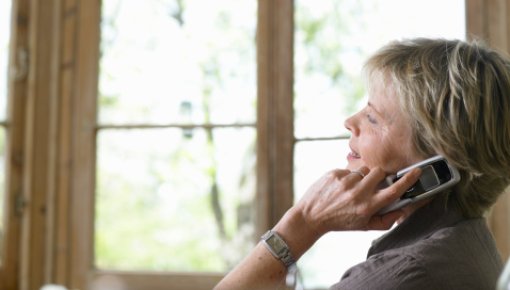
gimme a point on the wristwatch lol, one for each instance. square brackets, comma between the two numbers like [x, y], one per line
[278, 248]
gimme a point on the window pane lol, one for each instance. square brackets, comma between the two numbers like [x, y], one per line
[177, 61]
[5, 26]
[332, 40]
[161, 192]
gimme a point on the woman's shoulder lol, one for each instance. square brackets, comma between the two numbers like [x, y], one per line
[392, 270]
[462, 256]
[469, 239]
[409, 270]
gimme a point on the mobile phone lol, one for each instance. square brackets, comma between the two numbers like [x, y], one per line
[437, 175]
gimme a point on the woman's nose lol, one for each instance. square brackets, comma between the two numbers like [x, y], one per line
[351, 125]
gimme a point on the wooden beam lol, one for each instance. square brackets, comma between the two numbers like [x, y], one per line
[61, 249]
[9, 270]
[82, 183]
[476, 22]
[38, 168]
[275, 116]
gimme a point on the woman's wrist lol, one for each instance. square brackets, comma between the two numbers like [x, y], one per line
[296, 232]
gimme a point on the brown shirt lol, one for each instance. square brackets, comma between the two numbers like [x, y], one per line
[435, 248]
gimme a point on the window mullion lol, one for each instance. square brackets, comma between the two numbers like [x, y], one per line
[83, 143]
[9, 272]
[275, 130]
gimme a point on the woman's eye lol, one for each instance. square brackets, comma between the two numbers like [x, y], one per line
[371, 119]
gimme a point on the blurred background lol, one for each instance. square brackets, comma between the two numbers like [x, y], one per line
[148, 144]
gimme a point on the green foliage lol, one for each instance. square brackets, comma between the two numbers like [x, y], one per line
[143, 240]
[327, 80]
[153, 204]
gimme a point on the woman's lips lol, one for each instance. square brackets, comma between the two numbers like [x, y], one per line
[353, 156]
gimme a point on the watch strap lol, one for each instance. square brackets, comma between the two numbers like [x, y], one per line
[278, 248]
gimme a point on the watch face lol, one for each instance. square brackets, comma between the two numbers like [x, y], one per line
[276, 244]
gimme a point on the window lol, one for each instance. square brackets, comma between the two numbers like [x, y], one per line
[175, 135]
[169, 92]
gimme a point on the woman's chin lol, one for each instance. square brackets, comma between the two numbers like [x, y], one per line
[354, 164]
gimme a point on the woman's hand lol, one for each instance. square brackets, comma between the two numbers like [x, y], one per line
[349, 200]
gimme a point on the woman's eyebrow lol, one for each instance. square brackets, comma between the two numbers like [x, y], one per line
[388, 117]
[374, 109]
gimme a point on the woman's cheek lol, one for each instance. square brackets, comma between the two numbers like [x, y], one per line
[383, 156]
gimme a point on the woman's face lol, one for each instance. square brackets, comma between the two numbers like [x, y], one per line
[380, 134]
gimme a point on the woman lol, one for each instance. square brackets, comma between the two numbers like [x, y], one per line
[426, 97]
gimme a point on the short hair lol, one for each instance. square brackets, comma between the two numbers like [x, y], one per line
[456, 97]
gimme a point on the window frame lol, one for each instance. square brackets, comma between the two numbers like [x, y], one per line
[51, 161]
[274, 139]
[275, 134]
[14, 201]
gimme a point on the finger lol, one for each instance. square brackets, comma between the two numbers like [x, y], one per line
[336, 175]
[390, 194]
[374, 176]
[355, 176]
[362, 171]
[340, 173]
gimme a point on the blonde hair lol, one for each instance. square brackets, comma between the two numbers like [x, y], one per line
[456, 96]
